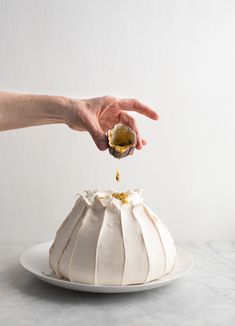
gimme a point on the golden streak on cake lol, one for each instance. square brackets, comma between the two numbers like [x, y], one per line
[117, 176]
[122, 196]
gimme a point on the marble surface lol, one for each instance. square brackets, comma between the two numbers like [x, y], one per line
[206, 296]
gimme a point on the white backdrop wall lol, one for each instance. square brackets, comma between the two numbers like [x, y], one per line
[177, 56]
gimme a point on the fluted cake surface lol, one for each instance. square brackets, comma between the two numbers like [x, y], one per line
[105, 241]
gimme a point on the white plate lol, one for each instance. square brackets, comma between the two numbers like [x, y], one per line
[35, 260]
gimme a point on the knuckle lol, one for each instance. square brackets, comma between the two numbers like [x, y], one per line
[135, 102]
[109, 98]
[131, 119]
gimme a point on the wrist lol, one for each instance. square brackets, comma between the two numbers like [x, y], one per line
[71, 112]
[62, 112]
[64, 109]
[57, 109]
[44, 109]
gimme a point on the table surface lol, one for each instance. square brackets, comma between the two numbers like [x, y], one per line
[206, 296]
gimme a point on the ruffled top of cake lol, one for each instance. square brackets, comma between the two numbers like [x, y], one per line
[109, 197]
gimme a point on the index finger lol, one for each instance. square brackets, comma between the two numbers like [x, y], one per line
[128, 104]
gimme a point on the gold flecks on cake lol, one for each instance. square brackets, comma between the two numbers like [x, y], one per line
[117, 176]
[122, 196]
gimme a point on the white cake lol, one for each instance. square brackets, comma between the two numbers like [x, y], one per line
[109, 241]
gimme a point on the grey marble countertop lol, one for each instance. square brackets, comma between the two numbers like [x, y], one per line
[206, 296]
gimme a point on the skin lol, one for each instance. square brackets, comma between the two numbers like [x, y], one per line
[96, 115]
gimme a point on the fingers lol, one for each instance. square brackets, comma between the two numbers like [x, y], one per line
[98, 136]
[134, 105]
[100, 141]
[144, 142]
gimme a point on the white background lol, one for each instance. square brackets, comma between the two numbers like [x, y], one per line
[177, 56]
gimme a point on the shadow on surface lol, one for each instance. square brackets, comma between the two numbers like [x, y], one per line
[26, 283]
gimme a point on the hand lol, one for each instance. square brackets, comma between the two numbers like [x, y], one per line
[98, 115]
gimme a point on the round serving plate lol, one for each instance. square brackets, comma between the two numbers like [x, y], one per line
[36, 261]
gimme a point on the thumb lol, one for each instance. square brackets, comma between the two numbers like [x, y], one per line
[99, 137]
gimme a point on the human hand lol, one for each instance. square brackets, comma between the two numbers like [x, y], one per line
[98, 115]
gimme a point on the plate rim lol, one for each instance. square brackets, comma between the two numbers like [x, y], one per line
[101, 288]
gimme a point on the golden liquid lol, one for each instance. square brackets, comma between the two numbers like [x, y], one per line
[117, 176]
[123, 196]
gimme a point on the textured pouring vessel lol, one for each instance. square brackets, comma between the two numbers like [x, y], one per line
[112, 239]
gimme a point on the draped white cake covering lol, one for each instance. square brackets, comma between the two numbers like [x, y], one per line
[106, 242]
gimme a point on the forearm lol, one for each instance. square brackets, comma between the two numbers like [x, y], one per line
[96, 115]
[21, 110]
